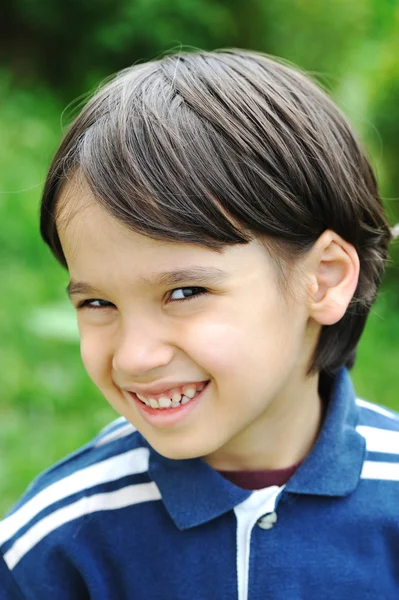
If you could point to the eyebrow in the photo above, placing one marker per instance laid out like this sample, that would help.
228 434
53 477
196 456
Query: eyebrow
201 275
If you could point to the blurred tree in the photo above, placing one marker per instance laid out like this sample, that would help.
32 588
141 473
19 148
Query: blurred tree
67 43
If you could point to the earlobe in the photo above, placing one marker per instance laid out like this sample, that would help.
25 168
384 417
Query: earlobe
334 278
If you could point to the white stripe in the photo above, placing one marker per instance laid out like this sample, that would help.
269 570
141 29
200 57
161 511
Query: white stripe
116 434
128 496
375 408
111 469
380 440
380 470
116 423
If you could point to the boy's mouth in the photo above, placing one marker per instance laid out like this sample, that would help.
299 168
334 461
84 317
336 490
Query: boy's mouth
178 411
174 398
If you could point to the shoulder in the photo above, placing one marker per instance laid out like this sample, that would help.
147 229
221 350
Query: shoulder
372 413
93 463
379 427
92 479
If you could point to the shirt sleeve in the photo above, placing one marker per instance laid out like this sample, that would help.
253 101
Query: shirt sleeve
8 587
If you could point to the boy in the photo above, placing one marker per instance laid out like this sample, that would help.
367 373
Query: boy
242 466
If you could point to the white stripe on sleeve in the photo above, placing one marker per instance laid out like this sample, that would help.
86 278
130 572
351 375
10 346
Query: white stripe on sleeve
111 469
116 434
380 440
127 496
378 409
380 470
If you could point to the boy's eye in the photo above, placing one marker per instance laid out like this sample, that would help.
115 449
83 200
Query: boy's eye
95 303
187 293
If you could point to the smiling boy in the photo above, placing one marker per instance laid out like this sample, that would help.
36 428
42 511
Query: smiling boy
225 241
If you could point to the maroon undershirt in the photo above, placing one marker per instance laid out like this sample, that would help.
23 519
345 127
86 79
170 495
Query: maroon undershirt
256 480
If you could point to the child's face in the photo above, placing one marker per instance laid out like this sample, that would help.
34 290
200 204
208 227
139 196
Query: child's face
244 336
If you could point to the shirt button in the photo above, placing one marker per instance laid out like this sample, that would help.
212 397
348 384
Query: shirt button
268 520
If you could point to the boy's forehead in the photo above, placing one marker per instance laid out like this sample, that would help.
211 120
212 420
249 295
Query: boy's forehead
73 193
82 220
90 236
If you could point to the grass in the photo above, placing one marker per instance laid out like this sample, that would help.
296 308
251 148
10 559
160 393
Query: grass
49 407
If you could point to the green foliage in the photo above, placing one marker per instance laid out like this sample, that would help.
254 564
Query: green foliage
48 405
59 50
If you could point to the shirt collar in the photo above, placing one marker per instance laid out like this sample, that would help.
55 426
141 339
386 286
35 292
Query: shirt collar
334 464
193 493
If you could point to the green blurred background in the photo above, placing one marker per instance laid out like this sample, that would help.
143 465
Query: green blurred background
50 54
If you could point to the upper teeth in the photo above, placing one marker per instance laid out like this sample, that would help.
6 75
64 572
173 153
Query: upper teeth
164 402
175 400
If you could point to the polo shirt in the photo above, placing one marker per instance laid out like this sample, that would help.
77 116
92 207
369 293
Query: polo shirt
116 520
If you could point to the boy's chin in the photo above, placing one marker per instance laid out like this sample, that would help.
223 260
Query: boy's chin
179 451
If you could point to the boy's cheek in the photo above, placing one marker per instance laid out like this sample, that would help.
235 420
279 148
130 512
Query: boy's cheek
95 359
219 346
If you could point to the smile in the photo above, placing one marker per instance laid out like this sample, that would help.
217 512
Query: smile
177 412
174 398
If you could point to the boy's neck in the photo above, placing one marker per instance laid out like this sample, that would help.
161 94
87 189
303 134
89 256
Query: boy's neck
283 437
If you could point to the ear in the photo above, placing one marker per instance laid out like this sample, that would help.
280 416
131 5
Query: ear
334 274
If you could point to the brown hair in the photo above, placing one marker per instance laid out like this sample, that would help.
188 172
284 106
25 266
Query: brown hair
216 148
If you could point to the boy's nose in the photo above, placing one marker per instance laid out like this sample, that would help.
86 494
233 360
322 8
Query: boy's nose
138 353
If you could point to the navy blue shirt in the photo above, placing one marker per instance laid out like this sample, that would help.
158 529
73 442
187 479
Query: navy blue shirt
116 520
